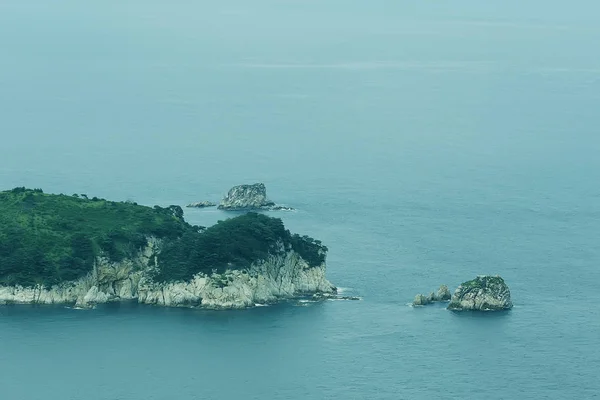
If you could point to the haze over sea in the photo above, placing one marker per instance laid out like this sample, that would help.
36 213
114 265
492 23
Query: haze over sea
423 142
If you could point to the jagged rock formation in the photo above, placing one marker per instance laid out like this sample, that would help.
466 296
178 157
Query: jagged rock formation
484 293
249 197
282 276
442 294
202 204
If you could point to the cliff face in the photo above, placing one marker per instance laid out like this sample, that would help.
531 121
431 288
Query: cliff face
109 281
281 276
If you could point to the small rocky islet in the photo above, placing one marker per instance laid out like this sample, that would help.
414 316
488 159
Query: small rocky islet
484 293
245 197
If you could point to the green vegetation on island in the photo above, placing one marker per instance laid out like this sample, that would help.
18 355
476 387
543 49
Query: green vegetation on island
481 282
233 243
48 239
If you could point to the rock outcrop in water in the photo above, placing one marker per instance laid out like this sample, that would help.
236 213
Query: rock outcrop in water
484 293
442 294
202 204
422 300
249 197
281 276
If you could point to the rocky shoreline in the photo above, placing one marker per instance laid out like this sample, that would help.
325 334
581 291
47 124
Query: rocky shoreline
280 277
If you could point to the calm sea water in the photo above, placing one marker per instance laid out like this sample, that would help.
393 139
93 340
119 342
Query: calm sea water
423 142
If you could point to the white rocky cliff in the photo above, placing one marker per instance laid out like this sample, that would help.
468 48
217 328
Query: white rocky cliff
279 277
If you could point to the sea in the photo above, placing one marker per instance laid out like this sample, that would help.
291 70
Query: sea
424 142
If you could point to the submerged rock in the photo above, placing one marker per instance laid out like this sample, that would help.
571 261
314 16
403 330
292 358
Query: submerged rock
202 204
280 208
332 296
484 293
249 197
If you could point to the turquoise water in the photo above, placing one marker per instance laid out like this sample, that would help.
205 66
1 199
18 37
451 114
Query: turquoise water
424 143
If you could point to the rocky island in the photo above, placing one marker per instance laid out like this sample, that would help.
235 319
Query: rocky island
484 293
80 251
249 197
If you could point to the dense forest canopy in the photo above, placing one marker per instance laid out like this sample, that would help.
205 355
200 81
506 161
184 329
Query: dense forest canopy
47 239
